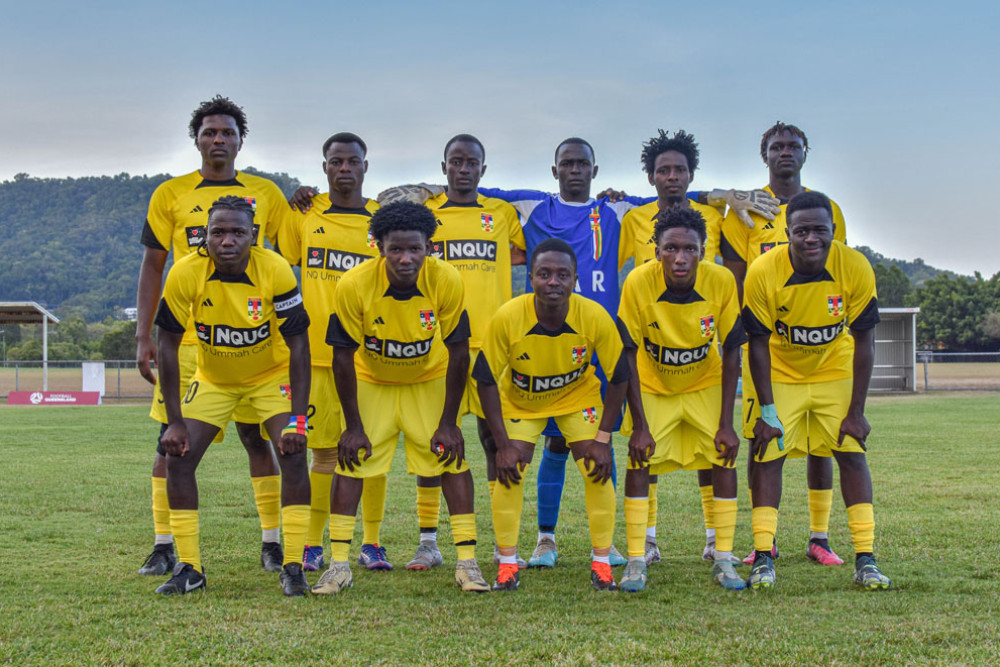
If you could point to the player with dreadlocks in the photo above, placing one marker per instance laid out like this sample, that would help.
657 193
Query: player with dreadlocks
783 148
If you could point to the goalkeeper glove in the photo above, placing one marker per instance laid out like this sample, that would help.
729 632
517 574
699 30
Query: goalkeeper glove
745 202
417 193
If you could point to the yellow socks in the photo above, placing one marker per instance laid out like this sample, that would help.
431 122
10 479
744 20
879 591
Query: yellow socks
267 493
428 506
373 508
507 505
294 522
161 507
654 506
319 506
341 533
184 524
708 505
601 506
636 516
764 522
724 520
820 502
860 521
463 531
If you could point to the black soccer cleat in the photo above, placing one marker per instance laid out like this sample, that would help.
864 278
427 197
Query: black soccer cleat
160 561
271 556
184 580
293 580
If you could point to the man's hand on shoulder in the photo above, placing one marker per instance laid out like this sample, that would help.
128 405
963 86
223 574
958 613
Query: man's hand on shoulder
417 193
612 195
745 202
301 199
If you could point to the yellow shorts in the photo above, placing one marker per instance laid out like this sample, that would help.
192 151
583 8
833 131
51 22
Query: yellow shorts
683 427
326 420
751 410
187 362
215 404
411 409
470 400
811 414
575 427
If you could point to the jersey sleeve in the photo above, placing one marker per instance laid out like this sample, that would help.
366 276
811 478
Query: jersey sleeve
756 313
839 226
626 241
288 307
629 326
491 362
862 307
731 332
734 238
523 201
277 206
450 303
158 231
288 237
516 232
345 326
175 304
608 345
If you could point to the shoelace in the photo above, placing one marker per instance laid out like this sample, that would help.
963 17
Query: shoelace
603 571
507 572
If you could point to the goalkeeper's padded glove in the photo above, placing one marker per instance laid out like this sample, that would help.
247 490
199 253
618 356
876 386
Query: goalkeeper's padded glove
745 202
769 414
417 193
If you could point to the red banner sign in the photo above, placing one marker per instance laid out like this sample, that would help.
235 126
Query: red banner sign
54 398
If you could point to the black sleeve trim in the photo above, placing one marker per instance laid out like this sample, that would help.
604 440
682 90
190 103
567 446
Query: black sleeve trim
868 318
337 336
295 324
622 372
166 320
462 330
737 335
625 335
727 250
149 239
481 372
752 325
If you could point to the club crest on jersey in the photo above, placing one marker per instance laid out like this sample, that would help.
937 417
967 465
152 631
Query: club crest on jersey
486 220
707 326
286 391
590 415
579 354
427 320
253 308
252 201
595 226
835 305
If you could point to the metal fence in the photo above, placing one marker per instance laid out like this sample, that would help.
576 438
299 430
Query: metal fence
955 371
121 378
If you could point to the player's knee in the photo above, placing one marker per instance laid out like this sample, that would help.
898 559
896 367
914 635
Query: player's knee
324 461
250 437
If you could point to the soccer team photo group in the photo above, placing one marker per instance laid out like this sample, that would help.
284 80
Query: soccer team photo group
327 325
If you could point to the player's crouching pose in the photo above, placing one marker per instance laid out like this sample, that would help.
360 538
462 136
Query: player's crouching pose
540 349
406 313
812 381
674 314
240 297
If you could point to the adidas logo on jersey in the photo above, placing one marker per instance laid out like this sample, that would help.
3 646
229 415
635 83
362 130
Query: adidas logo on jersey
769 225
197 209
782 309
319 231
207 302
378 320
655 325
524 357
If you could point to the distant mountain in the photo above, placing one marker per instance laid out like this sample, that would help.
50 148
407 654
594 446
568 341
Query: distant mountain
917 271
72 244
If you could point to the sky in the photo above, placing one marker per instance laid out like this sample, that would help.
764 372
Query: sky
899 100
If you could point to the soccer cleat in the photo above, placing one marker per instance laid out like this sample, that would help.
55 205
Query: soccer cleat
373 558
822 555
426 557
293 580
507 578
749 560
468 576
762 574
601 578
184 580
710 554
545 553
868 575
634 576
334 580
312 559
161 561
521 563
271 556
615 557
725 575
652 552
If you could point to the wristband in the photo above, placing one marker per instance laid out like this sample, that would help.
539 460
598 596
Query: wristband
297 424
603 437
769 413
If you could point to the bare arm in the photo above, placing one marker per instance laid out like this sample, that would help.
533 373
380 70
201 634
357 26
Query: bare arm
353 439
147 299
727 443
640 444
299 376
175 438
855 424
447 441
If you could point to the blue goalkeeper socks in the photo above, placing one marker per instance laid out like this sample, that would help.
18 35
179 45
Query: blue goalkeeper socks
551 477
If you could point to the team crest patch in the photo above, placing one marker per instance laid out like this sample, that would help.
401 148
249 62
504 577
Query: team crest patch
371 239
835 305
286 391
252 201
427 320
595 227
707 326
579 353
253 307
486 220
590 415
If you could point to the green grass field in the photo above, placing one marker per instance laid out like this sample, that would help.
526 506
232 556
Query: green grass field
75 525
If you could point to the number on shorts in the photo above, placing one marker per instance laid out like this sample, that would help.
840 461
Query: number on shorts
750 411
191 392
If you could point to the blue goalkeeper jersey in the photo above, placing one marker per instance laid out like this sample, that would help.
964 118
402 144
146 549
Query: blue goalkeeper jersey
592 229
